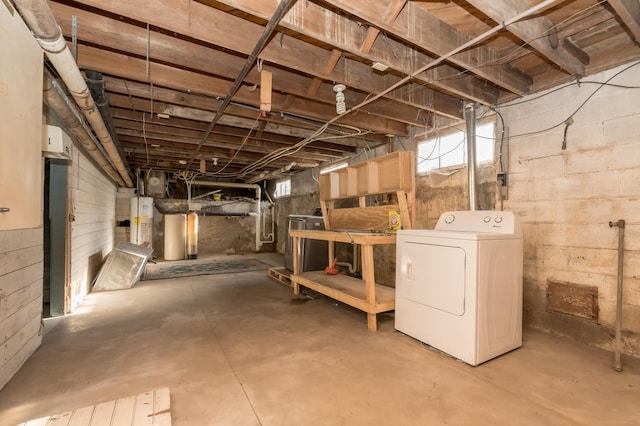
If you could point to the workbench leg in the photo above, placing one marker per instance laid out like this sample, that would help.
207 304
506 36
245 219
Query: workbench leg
370 283
372 322
296 287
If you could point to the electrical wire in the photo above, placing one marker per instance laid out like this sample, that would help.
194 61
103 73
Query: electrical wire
582 104
244 141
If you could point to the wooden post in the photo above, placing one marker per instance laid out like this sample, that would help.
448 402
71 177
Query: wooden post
369 279
296 267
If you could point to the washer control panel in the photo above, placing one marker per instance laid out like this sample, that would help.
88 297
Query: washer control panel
478 221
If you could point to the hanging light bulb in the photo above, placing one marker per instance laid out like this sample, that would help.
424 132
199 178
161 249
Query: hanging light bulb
341 107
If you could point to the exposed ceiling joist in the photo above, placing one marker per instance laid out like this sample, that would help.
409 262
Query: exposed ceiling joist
538 32
629 13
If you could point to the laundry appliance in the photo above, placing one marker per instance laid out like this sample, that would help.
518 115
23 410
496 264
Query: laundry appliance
459 286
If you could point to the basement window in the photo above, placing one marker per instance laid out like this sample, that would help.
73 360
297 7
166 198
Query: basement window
283 188
449 149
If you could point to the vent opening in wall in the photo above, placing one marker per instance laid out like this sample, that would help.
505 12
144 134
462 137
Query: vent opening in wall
572 299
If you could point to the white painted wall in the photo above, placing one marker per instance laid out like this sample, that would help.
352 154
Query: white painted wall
21 264
93 206
566 198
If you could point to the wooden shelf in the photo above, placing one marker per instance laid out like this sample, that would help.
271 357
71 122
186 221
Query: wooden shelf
389 173
366 225
348 290
353 237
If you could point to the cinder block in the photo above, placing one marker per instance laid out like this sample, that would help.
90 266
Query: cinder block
547 167
621 129
586 161
602 261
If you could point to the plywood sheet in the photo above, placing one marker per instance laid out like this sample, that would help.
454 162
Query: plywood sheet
148 408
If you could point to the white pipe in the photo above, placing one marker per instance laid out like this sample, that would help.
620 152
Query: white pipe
253 186
43 25
67 113
270 238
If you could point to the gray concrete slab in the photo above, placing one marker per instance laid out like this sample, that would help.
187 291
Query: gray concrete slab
241 349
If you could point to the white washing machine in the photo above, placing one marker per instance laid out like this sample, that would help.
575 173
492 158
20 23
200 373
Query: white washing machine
459 286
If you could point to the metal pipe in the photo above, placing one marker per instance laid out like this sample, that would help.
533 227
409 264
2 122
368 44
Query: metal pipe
353 266
41 22
253 186
97 87
617 364
470 119
57 101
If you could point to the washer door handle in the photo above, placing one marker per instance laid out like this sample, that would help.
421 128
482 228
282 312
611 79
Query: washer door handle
409 270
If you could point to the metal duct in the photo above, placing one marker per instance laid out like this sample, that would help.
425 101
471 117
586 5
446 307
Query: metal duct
96 85
41 22
254 187
55 98
470 118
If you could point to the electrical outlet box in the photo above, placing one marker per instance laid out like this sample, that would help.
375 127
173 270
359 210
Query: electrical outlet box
56 143
503 186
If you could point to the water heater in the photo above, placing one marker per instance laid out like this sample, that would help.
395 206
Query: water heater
175 236
142 221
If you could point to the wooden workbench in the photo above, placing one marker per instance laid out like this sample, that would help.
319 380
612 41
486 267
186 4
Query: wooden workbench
382 186
362 294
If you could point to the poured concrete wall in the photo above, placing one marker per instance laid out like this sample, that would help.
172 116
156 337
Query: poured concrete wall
566 198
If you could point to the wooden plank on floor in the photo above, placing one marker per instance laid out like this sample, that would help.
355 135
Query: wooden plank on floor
82 417
143 412
281 275
148 408
162 407
104 413
123 412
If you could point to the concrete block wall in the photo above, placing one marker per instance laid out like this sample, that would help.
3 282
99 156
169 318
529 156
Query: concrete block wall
566 198
21 265
93 207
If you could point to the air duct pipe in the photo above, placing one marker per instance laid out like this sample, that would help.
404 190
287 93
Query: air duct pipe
41 22
470 119
253 186
57 101
617 364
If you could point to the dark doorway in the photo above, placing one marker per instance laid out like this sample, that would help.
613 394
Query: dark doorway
55 236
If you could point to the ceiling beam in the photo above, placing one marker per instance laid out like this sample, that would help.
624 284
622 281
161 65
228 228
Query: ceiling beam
189 81
261 136
133 128
235 119
538 32
406 27
629 13
104 31
199 21
323 24
373 32
328 68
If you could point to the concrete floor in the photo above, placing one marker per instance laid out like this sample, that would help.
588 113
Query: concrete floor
241 349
